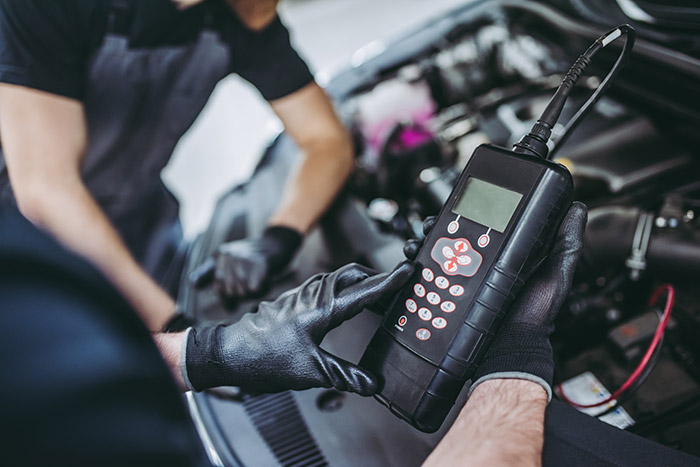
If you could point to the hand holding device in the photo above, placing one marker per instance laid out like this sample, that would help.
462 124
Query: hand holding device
489 238
521 347
277 348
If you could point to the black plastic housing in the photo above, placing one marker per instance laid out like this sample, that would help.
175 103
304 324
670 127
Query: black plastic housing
421 379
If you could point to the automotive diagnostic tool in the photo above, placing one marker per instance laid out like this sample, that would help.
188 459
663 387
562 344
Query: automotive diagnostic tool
494 230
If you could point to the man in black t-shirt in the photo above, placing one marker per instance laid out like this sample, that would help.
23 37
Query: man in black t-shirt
94 96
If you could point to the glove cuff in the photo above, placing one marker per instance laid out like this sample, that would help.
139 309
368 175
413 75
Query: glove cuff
522 350
281 244
202 367
183 361
513 375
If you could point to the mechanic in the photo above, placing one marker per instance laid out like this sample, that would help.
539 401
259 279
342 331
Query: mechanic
95 95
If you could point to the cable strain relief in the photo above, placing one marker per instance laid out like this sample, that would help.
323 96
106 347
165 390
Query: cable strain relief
541 130
577 70
535 142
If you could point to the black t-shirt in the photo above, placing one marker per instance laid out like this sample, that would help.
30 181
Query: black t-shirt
47 44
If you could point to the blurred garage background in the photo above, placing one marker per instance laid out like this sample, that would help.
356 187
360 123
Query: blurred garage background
226 142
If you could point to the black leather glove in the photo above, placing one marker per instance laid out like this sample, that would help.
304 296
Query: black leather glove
521 348
243 268
277 348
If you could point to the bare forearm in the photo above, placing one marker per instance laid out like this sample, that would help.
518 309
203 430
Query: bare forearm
502 424
70 213
171 347
315 183
44 137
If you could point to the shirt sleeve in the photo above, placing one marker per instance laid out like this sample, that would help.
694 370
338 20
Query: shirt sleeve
41 47
267 59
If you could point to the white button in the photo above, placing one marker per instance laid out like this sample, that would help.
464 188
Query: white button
428 275
425 314
433 298
447 252
419 290
439 323
461 246
464 260
484 241
448 307
411 305
456 290
450 266
453 227
423 334
442 282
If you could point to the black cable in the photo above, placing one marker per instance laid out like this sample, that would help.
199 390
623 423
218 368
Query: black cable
535 142
602 87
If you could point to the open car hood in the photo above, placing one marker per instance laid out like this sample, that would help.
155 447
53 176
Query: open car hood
672 23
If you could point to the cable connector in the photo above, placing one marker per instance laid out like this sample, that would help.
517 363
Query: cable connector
535 142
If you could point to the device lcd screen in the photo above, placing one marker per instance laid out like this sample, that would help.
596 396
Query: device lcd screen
487 204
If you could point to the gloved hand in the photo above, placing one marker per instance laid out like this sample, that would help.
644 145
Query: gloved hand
243 268
521 348
277 348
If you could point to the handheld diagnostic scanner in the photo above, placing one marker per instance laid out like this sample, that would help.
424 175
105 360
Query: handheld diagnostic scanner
494 230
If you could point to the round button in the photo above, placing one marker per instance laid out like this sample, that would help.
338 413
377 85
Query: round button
402 321
419 290
423 334
442 282
428 275
433 298
448 307
452 227
447 252
464 260
411 305
484 241
425 314
456 290
439 323
461 246
450 266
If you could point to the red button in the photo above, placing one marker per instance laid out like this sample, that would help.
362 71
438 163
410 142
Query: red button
402 321
461 246
484 240
450 266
